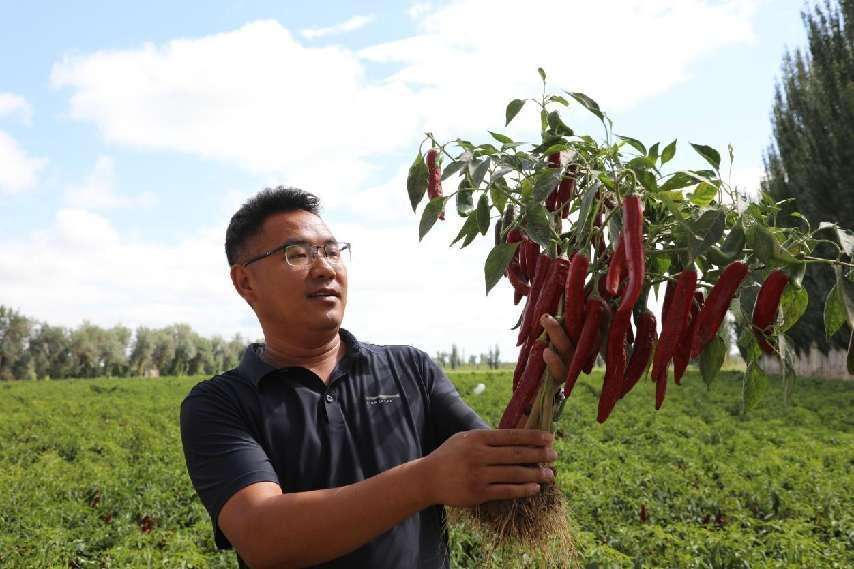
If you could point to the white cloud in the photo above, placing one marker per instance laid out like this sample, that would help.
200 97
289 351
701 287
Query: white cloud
253 96
11 104
98 191
418 9
350 25
315 117
18 171
82 267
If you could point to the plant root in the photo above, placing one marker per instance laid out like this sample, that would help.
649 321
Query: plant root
538 525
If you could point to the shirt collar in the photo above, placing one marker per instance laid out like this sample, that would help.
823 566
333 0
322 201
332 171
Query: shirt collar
253 367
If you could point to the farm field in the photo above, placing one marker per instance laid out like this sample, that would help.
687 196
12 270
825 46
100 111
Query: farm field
92 475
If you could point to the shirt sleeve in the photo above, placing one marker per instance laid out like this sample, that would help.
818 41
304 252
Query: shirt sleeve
449 413
222 456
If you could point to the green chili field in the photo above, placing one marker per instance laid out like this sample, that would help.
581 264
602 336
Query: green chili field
92 475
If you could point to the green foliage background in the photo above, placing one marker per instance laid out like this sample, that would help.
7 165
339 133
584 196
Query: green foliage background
86 466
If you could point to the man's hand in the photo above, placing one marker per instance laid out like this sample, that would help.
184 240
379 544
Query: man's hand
559 355
478 466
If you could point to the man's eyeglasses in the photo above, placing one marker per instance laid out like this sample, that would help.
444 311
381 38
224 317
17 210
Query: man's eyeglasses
301 254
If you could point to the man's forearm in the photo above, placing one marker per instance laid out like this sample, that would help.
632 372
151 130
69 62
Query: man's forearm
306 528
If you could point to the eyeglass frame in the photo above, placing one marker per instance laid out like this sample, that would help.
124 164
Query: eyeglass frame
314 250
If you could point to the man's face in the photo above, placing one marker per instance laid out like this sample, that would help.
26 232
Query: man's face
288 298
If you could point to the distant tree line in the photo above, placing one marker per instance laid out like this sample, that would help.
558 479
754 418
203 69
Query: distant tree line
456 358
36 350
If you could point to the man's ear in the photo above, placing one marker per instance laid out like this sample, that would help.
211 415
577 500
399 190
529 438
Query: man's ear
242 281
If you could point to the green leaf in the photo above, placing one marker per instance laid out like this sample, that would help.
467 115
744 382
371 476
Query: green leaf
734 242
498 196
668 153
416 181
483 213
711 359
748 345
430 215
585 210
496 263
465 201
703 194
545 181
634 143
452 168
513 109
755 386
678 181
647 180
653 152
711 155
486 149
834 311
794 304
709 228
537 226
558 99
469 228
478 171
844 237
557 125
542 73
762 242
588 104
502 138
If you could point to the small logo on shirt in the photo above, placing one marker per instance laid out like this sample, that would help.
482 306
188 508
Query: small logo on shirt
381 399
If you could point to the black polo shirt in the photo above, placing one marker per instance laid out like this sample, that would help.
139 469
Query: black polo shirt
383 406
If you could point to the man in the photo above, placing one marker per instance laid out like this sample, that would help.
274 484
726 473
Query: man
320 450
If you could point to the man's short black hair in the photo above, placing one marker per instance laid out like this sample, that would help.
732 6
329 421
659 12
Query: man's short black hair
252 214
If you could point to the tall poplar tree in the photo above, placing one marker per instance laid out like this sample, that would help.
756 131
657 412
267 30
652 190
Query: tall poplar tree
811 158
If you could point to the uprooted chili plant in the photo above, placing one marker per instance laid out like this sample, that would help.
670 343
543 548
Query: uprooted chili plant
588 230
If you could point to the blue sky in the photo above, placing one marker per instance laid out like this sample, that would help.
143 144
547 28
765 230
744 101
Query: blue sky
130 132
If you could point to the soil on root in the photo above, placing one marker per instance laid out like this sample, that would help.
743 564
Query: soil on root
538 525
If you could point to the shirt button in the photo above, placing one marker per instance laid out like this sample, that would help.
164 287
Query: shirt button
329 398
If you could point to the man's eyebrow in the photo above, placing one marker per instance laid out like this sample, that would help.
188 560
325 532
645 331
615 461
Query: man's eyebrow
306 242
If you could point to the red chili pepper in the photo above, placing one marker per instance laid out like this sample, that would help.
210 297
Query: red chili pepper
573 306
543 264
549 297
717 304
683 349
767 303
644 342
522 360
615 365
434 177
566 189
527 388
588 341
531 253
668 297
633 254
673 325
602 340
616 268
517 279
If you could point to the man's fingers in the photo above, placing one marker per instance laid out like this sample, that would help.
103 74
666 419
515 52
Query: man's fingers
557 336
517 437
556 366
518 474
510 491
520 455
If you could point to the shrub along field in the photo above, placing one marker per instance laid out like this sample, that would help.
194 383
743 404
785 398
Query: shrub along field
92 475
